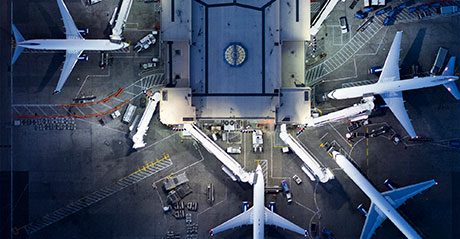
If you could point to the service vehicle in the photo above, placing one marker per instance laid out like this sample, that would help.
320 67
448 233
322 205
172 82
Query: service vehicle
146 42
83 31
448 9
83 57
234 150
368 9
375 70
362 210
297 179
257 140
129 113
379 131
115 114
286 190
244 206
343 24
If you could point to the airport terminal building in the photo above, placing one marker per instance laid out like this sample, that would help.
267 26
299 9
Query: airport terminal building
235 60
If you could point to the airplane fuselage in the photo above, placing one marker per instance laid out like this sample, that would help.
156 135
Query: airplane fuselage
390 86
259 206
71 44
383 205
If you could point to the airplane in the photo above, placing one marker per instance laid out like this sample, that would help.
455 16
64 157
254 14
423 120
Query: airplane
384 204
390 87
74 45
258 215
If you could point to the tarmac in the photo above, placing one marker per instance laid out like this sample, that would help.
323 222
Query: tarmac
53 168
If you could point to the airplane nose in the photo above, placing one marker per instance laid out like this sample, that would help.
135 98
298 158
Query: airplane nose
259 168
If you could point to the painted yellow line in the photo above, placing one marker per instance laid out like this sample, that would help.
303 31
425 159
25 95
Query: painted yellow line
274 143
148 165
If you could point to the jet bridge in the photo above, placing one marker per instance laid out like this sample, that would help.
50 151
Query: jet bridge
313 168
122 16
231 166
322 15
356 112
143 126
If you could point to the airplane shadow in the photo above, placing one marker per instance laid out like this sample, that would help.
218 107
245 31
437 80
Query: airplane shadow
337 195
54 66
413 54
55 25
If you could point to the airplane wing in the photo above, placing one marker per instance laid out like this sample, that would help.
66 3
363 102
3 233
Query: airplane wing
274 219
71 58
244 218
374 218
71 31
399 196
395 102
390 71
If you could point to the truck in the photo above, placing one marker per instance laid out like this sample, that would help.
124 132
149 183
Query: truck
129 113
448 9
439 61
287 191
234 150
146 41
257 140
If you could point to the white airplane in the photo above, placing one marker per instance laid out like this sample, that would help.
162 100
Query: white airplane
258 215
74 45
383 205
390 87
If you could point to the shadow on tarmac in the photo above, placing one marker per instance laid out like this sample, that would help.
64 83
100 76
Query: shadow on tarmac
54 66
413 54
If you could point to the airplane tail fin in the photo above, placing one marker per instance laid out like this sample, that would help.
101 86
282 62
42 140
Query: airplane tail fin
449 71
452 88
18 37
396 197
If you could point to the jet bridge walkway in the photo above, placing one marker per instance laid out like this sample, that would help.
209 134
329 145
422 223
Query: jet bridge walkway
231 166
356 112
120 22
314 169
138 138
